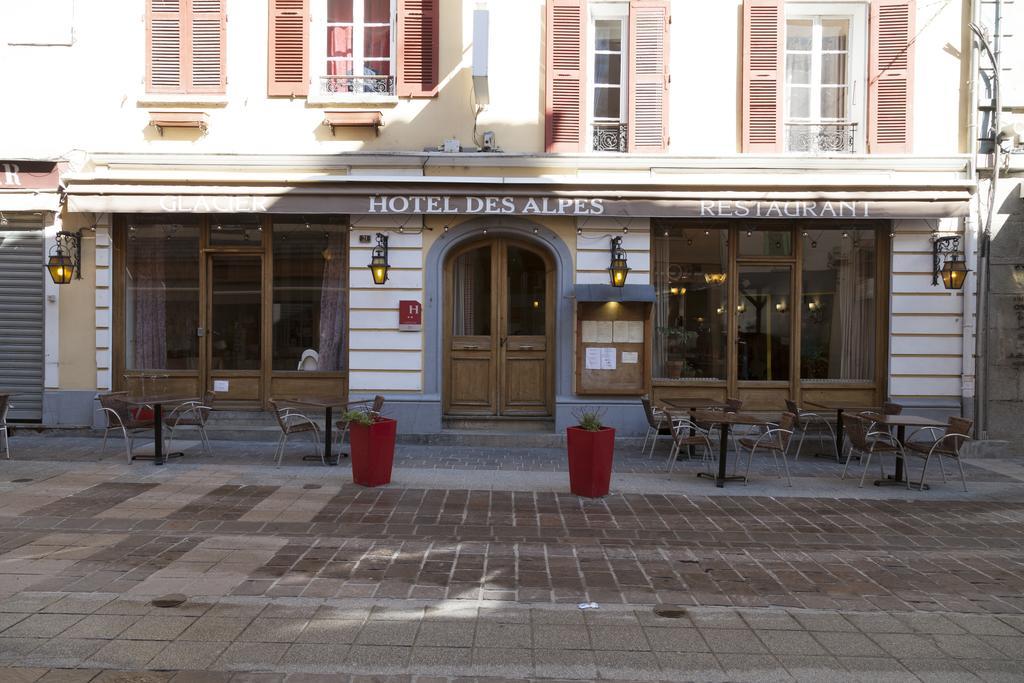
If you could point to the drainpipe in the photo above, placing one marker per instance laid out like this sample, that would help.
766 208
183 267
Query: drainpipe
972 370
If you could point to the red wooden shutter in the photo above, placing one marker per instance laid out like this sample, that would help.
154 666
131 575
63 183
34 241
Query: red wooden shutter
763 31
207 40
288 68
565 101
890 76
648 75
164 23
417 48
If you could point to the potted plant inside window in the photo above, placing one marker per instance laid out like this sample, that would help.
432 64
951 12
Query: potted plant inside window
590 446
373 447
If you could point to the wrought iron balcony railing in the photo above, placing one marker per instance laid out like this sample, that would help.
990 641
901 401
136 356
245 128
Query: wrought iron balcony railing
357 85
610 137
821 138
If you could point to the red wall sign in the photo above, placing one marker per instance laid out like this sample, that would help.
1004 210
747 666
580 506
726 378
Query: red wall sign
29 175
410 316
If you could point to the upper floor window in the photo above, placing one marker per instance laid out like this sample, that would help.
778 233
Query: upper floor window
185 46
360 47
824 69
609 31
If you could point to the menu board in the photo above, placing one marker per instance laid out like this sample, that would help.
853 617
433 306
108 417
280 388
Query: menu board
613 348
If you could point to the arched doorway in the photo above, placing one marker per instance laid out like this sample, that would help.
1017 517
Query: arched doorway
499 321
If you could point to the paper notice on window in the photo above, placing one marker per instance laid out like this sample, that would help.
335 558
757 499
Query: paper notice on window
630 357
589 331
604 331
636 332
220 385
620 331
593 357
608 358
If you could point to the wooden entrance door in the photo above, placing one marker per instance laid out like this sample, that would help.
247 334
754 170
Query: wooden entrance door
764 363
498 330
235 335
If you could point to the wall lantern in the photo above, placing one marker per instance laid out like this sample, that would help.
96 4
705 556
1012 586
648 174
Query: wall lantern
379 260
618 269
948 263
65 258
714 278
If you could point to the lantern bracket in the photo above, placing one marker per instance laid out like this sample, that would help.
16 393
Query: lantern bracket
70 243
943 248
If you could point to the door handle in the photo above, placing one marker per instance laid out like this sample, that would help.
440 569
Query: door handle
470 346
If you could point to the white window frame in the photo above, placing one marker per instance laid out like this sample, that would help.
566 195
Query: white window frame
856 61
604 11
318 52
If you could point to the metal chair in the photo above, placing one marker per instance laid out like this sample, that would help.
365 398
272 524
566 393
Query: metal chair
658 424
120 416
374 407
733 405
291 422
946 446
807 421
776 440
868 443
191 414
686 432
5 406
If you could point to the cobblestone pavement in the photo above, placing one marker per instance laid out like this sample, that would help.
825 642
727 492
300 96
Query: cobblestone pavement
295 571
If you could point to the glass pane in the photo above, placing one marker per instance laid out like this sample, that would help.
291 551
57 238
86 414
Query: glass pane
799 102
763 315
340 67
833 68
377 42
608 35
607 103
309 294
241 230
798 69
765 242
339 41
162 293
837 315
339 10
526 284
376 67
377 11
235 312
608 69
833 103
692 295
798 34
834 34
472 292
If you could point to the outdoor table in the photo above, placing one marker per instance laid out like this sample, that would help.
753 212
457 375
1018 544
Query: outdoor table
901 422
839 422
692 405
157 402
328 404
725 421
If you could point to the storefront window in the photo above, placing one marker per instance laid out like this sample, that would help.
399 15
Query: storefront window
240 230
763 322
309 294
754 242
837 324
692 290
162 293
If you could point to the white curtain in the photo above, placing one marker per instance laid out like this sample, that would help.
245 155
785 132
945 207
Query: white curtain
661 261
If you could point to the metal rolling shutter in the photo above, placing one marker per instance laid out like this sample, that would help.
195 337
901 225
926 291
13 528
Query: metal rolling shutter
21 321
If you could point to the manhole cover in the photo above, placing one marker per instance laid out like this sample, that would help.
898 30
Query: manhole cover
171 600
20 481
669 612
311 486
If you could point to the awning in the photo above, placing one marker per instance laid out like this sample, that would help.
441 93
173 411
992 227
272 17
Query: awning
605 293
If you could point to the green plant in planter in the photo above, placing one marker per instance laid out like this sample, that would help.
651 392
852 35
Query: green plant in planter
358 417
589 419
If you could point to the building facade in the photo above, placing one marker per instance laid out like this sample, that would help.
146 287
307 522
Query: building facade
773 172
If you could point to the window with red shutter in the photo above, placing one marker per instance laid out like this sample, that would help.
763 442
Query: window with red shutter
648 75
762 76
891 76
185 46
565 51
288 49
418 37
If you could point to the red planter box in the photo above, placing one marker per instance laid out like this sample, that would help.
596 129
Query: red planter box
590 461
373 451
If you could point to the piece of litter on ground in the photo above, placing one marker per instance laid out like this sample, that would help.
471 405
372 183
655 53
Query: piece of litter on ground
588 605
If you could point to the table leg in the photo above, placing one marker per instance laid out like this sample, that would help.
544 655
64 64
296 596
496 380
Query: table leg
327 436
723 449
901 433
693 432
839 433
158 436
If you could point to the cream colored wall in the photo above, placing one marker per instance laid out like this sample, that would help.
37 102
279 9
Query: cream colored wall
77 315
91 95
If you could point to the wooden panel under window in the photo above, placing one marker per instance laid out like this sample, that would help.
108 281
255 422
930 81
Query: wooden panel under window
308 384
768 396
